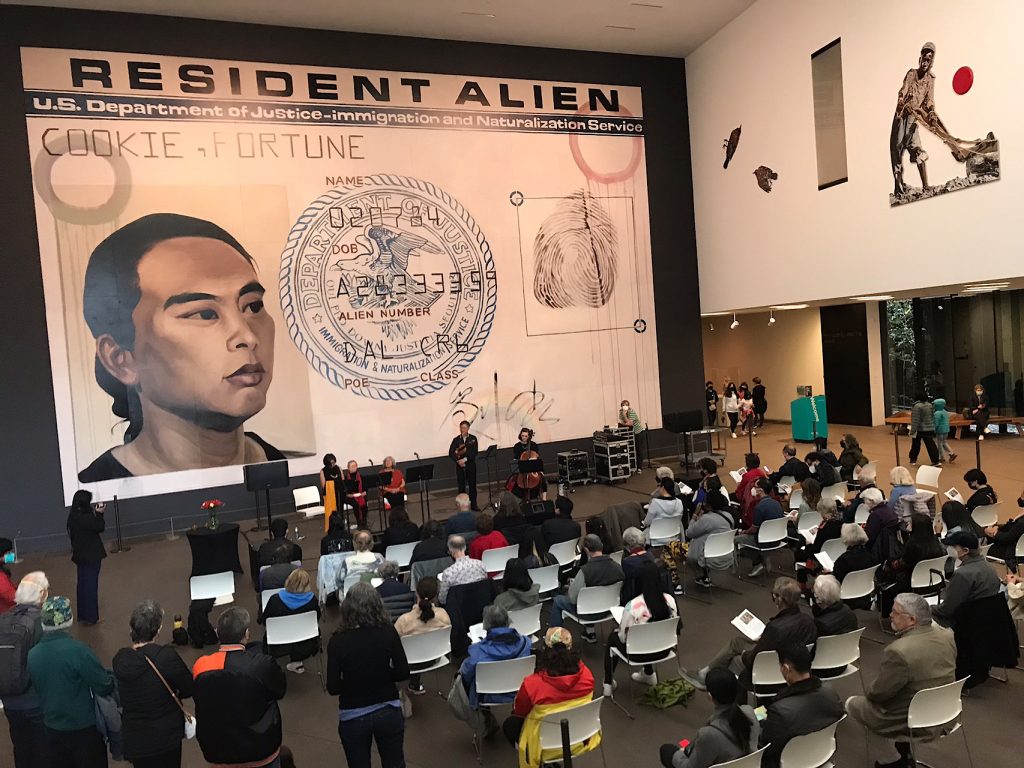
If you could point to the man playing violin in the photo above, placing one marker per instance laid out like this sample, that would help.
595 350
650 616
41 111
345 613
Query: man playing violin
463 451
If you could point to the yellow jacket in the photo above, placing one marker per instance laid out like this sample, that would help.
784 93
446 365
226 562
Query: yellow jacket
529 738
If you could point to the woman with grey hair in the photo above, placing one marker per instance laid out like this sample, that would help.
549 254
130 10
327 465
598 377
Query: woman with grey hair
398 597
857 557
365 660
153 724
831 615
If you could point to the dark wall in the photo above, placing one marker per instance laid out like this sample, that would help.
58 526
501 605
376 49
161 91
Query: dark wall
844 351
33 507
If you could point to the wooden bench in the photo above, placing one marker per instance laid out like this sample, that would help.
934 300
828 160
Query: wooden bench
902 419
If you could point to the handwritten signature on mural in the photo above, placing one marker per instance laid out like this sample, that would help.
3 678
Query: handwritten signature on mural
490 413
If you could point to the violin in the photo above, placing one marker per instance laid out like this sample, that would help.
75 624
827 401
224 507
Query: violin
528 480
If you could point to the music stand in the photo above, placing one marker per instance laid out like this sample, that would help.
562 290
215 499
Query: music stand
489 454
527 466
263 477
371 481
422 474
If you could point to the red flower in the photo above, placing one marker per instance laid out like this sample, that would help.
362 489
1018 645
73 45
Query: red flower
211 504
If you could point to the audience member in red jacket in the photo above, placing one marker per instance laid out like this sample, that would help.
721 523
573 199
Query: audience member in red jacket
6 585
488 538
753 464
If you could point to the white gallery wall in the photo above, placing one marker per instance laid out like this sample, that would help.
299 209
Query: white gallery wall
796 243
785 355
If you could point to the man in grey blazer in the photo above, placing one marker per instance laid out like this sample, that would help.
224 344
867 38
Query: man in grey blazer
922 656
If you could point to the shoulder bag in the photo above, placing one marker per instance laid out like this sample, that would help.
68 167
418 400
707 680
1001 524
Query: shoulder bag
190 719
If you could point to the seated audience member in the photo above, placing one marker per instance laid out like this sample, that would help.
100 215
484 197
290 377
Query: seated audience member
599 571
955 517
22 707
152 723
826 474
664 506
712 516
433 543
831 615
297 597
730 733
425 616
465 570
561 681
529 553
857 557
766 508
753 473
791 467
398 596
236 691
365 661
501 643
708 469
880 516
830 527
338 538
1004 538
274 576
821 446
464 519
487 537
866 482
851 457
804 706
920 543
6 584
902 485
509 512
279 549
1015 596
789 625
67 677
635 554
599 528
400 530
922 656
652 604
810 495
973 580
984 494
561 527
519 590
363 561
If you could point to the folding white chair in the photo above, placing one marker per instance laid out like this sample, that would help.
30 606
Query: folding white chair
584 723
428 651
928 476
307 501
772 535
617 556
753 760
929 576
285 630
834 492
496 678
986 515
350 581
833 548
938 707
546 578
765 675
858 584
594 604
796 497
401 554
837 652
719 546
494 560
265 596
526 621
788 481
220 587
813 750
655 639
860 517
565 553
1018 553
665 529
808 521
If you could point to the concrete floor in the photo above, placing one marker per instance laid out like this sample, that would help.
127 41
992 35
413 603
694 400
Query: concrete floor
158 568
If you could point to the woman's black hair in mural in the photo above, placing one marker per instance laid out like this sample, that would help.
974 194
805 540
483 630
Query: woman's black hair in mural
111 292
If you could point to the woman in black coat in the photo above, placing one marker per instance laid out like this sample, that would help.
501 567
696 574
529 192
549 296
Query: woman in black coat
85 524
153 724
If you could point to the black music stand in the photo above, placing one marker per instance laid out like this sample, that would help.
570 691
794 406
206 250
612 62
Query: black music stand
370 481
263 477
489 456
422 474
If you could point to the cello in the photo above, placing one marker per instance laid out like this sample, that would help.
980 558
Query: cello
528 485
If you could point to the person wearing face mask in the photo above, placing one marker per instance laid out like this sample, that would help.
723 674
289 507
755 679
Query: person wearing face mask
851 457
791 467
765 508
979 410
628 417
821 470
984 495
922 656
711 402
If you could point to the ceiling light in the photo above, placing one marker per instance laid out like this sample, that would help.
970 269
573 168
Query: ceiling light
986 286
480 14
713 314
771 318
620 27
735 322
651 6
790 306
711 326
880 297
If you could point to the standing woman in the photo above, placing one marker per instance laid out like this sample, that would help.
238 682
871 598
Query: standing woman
394 492
330 476
85 524
760 402
711 402
732 407
152 718
365 659
979 410
922 427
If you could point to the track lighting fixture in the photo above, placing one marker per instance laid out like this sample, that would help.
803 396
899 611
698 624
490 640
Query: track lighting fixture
735 322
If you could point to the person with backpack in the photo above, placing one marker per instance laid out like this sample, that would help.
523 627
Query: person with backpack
20 629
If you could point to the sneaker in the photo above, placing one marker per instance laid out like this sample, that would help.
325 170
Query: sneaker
952 458
703 581
642 679
734 434
296 667
753 433
757 570
696 679
417 690
590 637
609 689
677 589
981 437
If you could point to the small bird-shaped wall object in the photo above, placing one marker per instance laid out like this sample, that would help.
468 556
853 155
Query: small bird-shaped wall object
729 145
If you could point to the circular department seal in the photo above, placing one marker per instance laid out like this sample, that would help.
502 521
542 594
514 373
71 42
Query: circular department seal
388 288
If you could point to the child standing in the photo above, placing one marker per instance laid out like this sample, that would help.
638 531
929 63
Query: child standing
942 430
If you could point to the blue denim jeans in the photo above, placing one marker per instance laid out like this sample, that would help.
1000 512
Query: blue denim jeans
385 726
559 604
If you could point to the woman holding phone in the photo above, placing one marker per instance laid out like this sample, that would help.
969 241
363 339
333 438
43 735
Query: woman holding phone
85 524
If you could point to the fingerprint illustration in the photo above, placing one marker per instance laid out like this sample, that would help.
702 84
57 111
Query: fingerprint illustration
574 254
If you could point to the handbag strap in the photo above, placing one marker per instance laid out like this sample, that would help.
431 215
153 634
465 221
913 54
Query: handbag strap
167 686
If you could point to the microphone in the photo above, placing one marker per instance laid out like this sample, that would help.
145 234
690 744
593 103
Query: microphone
372 462
416 455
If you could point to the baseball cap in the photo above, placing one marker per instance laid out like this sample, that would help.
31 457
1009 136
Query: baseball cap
928 47
56 613
965 539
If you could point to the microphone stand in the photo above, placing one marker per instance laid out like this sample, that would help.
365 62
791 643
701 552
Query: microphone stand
647 444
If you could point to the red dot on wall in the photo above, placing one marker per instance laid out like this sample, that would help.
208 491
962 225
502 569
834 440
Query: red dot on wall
963 79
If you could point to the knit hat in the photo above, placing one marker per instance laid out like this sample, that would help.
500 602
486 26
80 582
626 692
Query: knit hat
56 613
558 636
